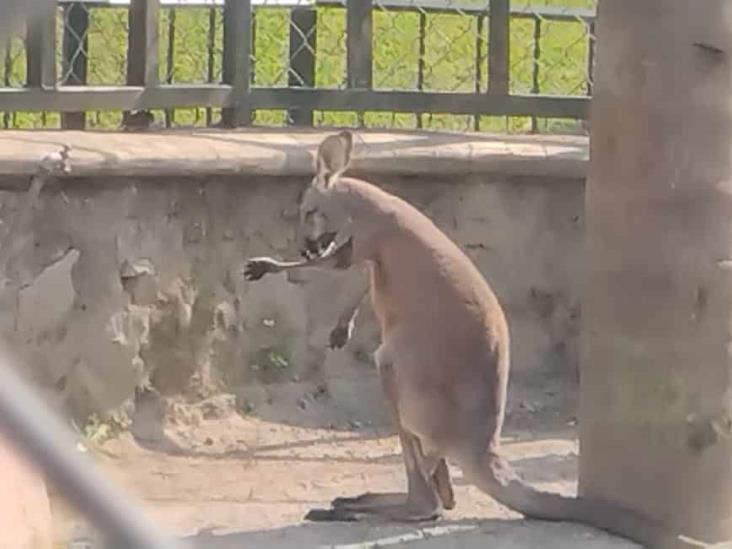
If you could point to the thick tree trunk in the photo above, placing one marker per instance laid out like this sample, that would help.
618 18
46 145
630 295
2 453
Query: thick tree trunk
656 365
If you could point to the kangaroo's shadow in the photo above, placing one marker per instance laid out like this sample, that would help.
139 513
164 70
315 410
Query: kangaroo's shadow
466 534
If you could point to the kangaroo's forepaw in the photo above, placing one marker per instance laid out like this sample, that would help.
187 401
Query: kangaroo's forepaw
258 267
340 335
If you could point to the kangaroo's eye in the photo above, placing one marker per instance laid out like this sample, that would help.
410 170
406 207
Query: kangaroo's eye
310 213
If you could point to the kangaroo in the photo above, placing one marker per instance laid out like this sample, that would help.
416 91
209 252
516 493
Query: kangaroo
443 359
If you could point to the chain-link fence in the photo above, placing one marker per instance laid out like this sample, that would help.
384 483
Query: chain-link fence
416 45
191 50
552 52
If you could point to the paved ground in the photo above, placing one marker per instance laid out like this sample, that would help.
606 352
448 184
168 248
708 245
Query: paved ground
237 481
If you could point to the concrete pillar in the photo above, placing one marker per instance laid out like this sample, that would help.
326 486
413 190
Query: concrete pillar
656 360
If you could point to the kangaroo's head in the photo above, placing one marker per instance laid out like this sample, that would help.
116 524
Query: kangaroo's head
323 218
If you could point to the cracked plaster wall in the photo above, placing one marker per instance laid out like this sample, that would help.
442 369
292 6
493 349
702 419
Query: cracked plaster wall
124 281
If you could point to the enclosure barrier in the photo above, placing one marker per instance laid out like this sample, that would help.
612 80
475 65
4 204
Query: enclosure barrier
301 57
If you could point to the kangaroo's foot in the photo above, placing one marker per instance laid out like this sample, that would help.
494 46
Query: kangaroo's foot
370 500
401 512
392 514
391 506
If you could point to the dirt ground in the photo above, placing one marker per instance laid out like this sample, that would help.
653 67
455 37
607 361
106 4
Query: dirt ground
226 479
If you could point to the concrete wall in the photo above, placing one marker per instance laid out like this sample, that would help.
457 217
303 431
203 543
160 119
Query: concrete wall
130 269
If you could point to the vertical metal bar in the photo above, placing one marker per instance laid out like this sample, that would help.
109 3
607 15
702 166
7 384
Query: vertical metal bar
478 63
142 45
535 67
421 61
41 48
142 51
7 73
170 62
211 49
75 46
303 44
591 56
591 52
359 45
236 69
498 47
253 52
16 12
359 28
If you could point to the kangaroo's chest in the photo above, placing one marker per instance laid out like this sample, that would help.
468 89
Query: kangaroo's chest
385 307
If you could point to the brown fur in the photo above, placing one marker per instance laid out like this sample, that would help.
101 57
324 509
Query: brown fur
443 359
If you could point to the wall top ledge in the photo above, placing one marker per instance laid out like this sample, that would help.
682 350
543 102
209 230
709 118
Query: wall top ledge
290 153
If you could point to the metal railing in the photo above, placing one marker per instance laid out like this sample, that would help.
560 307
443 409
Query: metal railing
236 61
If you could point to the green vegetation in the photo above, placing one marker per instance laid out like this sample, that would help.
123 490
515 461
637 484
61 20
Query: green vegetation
270 364
454 60
98 430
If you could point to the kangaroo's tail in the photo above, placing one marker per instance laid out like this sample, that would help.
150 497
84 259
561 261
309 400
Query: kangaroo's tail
496 477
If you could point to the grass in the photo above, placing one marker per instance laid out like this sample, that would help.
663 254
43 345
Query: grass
454 60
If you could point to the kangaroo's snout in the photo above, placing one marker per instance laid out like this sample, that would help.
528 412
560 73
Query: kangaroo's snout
315 247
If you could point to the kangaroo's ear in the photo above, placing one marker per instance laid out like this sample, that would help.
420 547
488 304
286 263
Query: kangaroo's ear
334 157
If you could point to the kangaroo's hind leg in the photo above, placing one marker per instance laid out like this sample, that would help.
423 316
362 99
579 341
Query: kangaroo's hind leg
422 502
428 480
440 480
